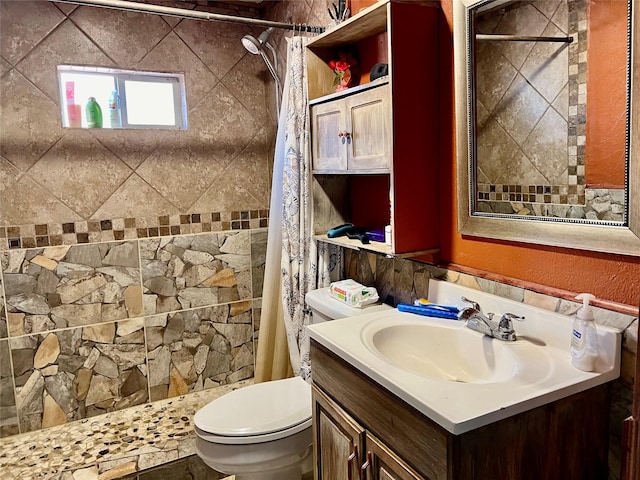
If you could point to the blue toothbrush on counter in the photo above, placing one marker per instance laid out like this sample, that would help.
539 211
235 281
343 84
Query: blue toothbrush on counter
430 310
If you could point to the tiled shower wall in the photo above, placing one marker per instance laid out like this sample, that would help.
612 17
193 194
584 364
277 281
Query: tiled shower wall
102 327
131 259
403 280
62 186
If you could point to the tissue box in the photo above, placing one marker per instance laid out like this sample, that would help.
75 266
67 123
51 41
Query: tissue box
353 293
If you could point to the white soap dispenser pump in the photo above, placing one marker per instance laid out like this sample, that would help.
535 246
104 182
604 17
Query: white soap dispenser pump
584 339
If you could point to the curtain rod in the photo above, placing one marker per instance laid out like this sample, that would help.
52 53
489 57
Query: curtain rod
192 14
521 38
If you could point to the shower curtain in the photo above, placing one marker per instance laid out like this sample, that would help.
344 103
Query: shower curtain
304 264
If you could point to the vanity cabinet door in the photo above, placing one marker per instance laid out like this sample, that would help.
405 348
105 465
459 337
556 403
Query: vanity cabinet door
328 141
383 464
369 141
337 443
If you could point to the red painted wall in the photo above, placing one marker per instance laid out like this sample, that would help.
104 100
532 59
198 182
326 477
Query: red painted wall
611 277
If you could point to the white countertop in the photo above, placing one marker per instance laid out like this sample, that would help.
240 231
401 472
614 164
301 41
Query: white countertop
544 371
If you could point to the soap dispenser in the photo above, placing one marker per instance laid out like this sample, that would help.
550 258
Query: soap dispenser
584 339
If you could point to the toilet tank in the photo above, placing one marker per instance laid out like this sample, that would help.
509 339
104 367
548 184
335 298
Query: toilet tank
324 307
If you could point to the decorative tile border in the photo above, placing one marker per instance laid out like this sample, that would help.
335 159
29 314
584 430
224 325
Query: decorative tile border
560 194
595 204
94 231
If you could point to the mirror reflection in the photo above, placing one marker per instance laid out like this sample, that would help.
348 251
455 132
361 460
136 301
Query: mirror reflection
548 104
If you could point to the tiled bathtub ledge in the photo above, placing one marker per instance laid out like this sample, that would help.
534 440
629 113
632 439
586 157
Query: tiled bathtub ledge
112 445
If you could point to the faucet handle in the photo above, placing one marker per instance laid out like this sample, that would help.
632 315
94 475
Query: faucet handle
474 304
505 321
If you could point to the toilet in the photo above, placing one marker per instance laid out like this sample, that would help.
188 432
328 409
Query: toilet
263 431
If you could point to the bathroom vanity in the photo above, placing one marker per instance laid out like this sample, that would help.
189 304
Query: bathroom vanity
376 417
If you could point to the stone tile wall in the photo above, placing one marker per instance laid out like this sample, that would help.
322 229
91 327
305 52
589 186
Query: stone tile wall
403 280
96 328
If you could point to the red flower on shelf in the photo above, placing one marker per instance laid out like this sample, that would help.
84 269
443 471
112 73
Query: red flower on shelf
342 68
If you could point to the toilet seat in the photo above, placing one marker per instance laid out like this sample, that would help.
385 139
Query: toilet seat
258 413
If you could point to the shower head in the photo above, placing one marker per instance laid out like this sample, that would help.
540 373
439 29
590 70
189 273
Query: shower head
255 45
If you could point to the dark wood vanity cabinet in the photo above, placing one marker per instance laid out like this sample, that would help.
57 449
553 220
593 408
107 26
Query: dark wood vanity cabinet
356 420
344 449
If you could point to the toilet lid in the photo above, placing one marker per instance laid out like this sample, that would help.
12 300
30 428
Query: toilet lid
258 410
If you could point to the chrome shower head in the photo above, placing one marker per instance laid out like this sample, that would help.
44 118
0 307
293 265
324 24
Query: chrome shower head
255 45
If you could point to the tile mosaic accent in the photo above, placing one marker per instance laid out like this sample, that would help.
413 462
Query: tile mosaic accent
78 373
193 271
198 349
95 231
70 286
602 205
119 444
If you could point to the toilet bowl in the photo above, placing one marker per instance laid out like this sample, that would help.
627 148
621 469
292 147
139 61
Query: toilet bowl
263 431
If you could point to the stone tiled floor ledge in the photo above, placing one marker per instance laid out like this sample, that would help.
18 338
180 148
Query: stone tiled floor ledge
114 445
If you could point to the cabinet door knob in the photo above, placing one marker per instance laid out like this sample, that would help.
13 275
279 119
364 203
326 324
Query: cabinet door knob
350 459
365 466
340 134
347 134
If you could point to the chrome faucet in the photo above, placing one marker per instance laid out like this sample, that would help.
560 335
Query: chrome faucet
478 321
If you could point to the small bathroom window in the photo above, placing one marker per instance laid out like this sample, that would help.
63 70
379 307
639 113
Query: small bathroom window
98 97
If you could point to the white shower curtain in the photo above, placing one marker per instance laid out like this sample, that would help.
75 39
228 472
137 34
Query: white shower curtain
304 264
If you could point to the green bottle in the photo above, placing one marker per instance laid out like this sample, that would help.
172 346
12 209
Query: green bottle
94 114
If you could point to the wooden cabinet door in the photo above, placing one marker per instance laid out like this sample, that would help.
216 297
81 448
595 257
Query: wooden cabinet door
382 464
337 441
328 142
368 125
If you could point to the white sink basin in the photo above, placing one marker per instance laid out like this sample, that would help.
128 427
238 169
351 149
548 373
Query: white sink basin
442 353
458 377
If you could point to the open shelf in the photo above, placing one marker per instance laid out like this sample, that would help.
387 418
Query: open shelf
370 21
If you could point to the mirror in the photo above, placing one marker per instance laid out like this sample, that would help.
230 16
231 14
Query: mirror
541 158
